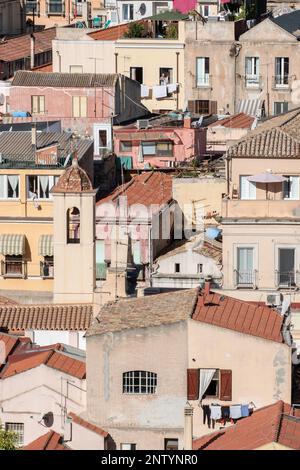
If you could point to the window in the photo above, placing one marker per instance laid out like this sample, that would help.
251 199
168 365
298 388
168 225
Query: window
136 252
280 107
281 71
79 106
136 73
47 267
12 266
252 71
39 186
17 428
291 188
164 149
56 7
214 386
199 268
202 107
128 446
9 186
202 71
149 148
100 260
76 69
177 267
171 444
102 138
73 225
165 75
139 381
245 266
128 11
37 104
247 189
205 10
125 146
32 5
286 267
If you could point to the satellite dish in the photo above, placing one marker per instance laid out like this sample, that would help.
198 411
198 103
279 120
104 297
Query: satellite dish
2 99
48 419
142 9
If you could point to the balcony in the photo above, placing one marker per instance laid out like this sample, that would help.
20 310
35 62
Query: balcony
287 280
253 81
203 81
14 269
282 82
260 209
245 279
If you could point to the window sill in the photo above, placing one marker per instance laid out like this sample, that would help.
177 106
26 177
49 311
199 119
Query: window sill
13 276
47 277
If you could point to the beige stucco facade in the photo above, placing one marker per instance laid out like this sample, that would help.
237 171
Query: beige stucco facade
260 374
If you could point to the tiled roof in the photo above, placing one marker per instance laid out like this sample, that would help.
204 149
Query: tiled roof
147 188
276 423
205 247
145 312
110 34
11 344
172 307
7 301
238 315
17 145
49 441
18 363
46 317
64 80
278 137
19 47
73 180
238 121
86 424
290 22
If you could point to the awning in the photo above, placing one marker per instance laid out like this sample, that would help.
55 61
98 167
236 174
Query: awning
46 245
12 244
266 178
251 107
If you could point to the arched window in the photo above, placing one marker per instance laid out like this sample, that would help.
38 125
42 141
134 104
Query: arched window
139 381
73 225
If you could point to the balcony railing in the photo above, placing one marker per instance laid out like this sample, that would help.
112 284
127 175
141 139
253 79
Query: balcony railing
46 270
287 279
14 269
203 81
55 8
260 209
245 278
253 81
282 81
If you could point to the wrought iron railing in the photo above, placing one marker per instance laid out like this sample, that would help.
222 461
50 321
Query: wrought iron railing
286 279
245 278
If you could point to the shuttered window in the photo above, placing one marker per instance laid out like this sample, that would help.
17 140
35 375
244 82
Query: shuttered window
193 384
37 104
226 385
79 106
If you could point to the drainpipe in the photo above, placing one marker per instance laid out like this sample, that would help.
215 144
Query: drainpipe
116 62
177 78
238 47
188 427
32 50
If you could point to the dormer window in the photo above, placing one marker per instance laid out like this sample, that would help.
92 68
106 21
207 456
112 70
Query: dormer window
73 225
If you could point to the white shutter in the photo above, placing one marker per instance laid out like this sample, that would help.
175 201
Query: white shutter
247 188
200 71
76 106
83 106
294 181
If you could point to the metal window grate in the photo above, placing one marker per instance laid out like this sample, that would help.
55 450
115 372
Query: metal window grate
139 381
17 428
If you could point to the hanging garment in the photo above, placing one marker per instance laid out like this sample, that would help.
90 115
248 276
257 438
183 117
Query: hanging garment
172 87
206 414
225 412
235 411
160 91
245 411
215 412
144 91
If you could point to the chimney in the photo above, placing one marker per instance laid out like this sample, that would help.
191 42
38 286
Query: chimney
32 50
33 137
188 428
206 288
187 122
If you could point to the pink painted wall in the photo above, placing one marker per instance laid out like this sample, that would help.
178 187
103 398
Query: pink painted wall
58 105
184 5
188 142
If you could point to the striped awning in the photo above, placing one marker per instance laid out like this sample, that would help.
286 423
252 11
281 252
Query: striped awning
251 107
46 245
12 244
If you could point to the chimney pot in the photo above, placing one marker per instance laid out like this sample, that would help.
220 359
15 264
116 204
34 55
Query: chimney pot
207 288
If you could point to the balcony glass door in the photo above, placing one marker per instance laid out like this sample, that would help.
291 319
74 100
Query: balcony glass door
286 273
245 264
282 71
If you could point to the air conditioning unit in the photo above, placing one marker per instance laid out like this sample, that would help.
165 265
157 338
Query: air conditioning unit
143 123
274 300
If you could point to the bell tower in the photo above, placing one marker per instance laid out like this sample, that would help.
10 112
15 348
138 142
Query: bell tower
74 237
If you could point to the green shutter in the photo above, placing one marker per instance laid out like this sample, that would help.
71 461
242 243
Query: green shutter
100 264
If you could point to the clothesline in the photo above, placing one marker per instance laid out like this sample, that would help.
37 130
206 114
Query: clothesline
159 91
221 413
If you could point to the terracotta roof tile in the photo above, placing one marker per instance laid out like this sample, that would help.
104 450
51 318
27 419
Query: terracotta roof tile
86 424
19 47
46 317
238 121
147 188
49 441
73 180
110 34
28 78
274 423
